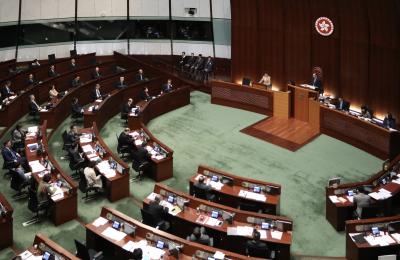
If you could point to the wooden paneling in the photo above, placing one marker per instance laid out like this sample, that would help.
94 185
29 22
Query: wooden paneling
360 60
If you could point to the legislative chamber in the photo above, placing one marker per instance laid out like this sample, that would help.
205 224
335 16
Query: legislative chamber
202 129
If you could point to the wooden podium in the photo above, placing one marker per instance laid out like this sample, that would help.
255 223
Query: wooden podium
300 100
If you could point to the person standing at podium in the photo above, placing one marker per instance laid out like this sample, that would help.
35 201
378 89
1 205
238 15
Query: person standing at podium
317 83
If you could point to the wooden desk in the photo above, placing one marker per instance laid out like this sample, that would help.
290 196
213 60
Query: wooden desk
198 211
43 244
367 136
229 195
6 224
66 208
112 249
116 187
111 105
363 250
238 96
338 213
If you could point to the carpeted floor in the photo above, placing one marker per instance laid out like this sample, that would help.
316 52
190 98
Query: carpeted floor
202 133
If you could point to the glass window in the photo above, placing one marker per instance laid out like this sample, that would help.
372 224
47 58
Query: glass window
102 30
8 35
149 29
192 30
51 32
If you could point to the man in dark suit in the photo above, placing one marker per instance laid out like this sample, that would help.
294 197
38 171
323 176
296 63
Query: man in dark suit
72 65
72 136
197 65
206 188
158 213
6 90
389 121
96 94
121 83
34 108
140 76
317 83
366 112
182 61
255 247
13 159
96 73
76 82
189 62
32 80
208 68
167 87
126 109
124 138
77 110
139 156
144 94
52 71
343 105
200 236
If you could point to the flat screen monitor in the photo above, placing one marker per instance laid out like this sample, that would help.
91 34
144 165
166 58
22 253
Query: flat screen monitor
350 192
257 189
171 199
264 225
246 82
46 256
160 244
116 225
375 231
214 214
214 178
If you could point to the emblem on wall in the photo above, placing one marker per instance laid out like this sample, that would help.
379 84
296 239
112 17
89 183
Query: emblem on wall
324 26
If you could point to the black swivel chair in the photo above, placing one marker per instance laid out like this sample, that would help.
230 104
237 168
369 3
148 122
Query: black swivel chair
35 207
77 167
141 168
19 185
151 220
123 150
85 253
86 189
249 207
66 144
258 252
7 166
203 194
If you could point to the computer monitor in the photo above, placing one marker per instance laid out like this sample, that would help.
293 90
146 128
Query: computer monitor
116 225
265 225
334 182
160 244
375 231
214 178
257 189
214 214
171 199
46 256
246 82
350 192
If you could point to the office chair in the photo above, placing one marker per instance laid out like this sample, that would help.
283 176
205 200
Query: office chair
66 144
249 207
85 253
77 167
203 194
124 151
86 189
150 220
7 166
18 184
258 252
141 169
35 207
124 116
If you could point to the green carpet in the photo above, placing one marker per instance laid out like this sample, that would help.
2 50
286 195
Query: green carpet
202 133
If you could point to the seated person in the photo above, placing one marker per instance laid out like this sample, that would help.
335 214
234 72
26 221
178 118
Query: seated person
53 93
144 94
190 61
198 64
121 83
72 65
47 164
342 105
95 94
366 112
158 213
76 82
74 155
182 61
137 254
52 71
255 247
18 137
32 80
13 159
77 110
35 63
124 138
139 156
34 108
266 80
73 136
6 90
96 74
140 76
208 67
126 109
361 200
206 188
44 189
167 87
92 179
200 236
389 121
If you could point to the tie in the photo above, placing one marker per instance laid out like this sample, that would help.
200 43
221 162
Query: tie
97 93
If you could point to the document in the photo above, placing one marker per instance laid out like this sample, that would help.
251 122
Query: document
113 234
397 181
33 129
152 196
138 142
242 193
256 196
130 246
350 198
396 236
275 234
87 148
216 185
213 222
381 194
175 210
100 221
36 166
244 231
231 231
219 255
372 240
85 138
334 199
341 199
263 233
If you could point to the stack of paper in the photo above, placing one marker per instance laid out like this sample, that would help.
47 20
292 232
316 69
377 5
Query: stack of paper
33 129
256 196
216 185
59 194
397 237
245 231
152 196
158 157
36 166
219 255
130 246
212 222
275 234
100 221
242 193
87 148
334 199
381 194
151 252
113 234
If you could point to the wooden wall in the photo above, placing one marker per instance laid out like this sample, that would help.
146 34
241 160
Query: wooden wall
360 60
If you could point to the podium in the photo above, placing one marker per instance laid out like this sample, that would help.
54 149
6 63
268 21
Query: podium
301 99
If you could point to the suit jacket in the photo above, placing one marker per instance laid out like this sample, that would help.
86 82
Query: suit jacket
120 85
76 108
126 108
124 139
255 245
96 75
139 77
362 200
198 65
72 138
32 81
33 107
5 92
73 67
317 83
190 61
167 88
209 66
9 155
344 105
52 73
206 188
157 211
144 96
76 83
389 122
94 96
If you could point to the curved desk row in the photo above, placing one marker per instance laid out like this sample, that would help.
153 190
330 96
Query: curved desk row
363 244
140 235
239 192
340 207
66 195
6 223
224 228
367 136
117 184
19 105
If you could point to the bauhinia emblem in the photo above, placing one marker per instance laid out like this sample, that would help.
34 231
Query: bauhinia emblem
324 26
